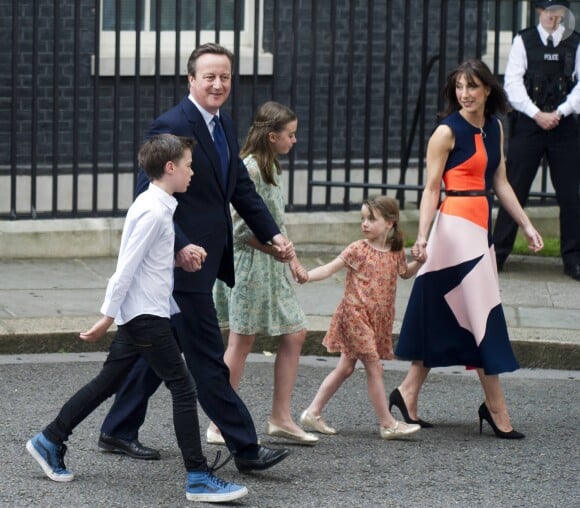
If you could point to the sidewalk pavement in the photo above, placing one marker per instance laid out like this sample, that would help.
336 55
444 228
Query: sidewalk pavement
45 303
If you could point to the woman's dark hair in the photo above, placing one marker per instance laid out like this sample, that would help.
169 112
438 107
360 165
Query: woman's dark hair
473 69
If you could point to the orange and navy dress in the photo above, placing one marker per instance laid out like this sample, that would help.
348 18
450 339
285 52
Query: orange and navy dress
454 315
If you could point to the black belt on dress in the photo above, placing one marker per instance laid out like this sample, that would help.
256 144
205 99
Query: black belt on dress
476 192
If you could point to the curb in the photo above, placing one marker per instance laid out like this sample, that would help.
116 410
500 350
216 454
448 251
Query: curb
544 354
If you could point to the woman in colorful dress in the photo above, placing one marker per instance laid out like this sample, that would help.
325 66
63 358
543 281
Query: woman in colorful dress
454 315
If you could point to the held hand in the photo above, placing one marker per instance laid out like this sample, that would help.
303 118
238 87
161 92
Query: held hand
419 251
283 249
535 242
97 330
299 273
547 121
190 258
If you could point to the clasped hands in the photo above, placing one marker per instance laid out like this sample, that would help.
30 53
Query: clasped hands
190 258
547 120
419 251
283 251
299 273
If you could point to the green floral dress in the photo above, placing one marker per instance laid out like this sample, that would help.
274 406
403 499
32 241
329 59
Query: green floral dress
263 299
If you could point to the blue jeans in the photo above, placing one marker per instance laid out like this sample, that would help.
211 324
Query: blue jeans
151 338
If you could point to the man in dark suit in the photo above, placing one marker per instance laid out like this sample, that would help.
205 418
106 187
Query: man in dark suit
203 252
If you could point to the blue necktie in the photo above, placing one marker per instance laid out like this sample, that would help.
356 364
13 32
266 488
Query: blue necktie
221 145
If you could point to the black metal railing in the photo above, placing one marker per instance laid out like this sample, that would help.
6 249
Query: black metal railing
363 77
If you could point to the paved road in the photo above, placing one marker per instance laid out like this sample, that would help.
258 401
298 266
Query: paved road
450 465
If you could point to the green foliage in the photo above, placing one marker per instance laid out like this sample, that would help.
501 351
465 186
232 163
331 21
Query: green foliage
551 247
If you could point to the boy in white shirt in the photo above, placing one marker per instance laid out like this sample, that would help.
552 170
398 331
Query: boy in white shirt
139 300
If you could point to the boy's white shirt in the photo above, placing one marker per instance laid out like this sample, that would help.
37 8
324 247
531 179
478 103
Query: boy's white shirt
143 280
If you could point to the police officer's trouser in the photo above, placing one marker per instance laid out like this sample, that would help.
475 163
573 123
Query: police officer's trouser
528 143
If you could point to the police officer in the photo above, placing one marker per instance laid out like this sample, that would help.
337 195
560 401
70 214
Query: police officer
541 81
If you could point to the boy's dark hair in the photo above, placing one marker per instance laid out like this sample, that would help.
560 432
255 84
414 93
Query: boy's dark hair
159 150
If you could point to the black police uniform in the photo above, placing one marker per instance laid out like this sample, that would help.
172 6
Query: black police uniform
548 80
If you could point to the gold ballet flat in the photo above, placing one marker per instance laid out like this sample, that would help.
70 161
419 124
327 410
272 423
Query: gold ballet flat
305 438
400 429
213 437
316 423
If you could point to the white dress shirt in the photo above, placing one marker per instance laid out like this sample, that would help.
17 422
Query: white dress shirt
143 280
516 68
206 115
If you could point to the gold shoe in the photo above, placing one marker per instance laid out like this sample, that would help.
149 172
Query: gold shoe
213 437
305 438
399 430
315 423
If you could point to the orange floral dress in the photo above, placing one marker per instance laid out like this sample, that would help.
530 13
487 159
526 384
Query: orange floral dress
362 325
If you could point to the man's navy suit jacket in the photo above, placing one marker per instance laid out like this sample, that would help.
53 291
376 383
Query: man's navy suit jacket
203 215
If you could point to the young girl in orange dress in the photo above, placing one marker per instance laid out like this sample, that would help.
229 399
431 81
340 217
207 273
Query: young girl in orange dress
361 328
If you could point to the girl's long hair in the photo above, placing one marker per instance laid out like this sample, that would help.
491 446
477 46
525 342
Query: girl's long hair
389 210
270 117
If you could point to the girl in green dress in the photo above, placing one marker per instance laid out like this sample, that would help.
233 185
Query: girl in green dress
263 299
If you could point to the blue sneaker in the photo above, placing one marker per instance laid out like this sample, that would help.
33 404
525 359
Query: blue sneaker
50 456
205 486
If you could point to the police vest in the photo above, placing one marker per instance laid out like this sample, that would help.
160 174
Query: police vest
549 77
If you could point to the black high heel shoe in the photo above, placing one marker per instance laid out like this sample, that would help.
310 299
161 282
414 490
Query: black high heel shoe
484 414
396 399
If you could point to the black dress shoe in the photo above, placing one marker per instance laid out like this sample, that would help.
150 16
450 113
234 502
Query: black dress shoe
265 458
572 271
132 448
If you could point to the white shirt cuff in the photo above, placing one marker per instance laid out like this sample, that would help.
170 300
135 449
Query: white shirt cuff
565 109
531 110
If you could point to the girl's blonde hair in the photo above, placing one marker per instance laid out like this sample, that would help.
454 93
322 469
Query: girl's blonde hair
270 117
389 210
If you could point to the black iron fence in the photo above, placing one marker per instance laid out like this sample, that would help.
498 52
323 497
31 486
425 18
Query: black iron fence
82 79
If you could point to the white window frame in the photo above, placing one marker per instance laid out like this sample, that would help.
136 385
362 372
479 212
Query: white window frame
128 39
